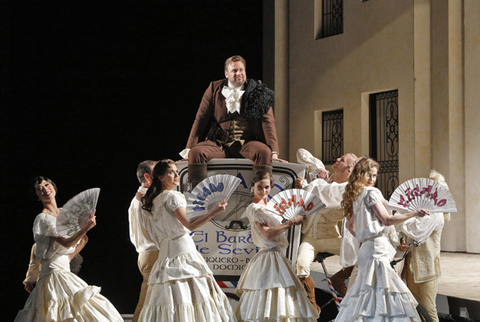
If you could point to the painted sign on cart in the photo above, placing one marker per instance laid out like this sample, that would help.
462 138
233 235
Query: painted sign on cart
226 242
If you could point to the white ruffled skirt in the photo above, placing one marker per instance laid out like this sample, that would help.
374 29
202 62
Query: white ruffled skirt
378 294
269 290
63 296
181 287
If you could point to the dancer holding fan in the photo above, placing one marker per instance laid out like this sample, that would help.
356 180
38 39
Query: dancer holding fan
206 195
422 264
378 292
269 288
59 294
181 287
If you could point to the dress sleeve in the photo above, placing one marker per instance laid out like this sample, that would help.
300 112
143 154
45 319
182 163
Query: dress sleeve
330 193
372 197
43 229
256 214
45 226
175 200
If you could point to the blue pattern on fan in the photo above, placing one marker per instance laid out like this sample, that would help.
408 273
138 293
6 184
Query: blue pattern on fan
210 192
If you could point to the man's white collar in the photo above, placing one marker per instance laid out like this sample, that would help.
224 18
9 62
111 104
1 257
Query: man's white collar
233 97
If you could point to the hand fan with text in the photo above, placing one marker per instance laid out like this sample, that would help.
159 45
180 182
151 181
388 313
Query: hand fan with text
210 192
291 202
76 211
422 193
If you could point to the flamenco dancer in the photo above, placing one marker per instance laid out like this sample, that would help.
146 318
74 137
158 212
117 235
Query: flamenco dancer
35 264
181 287
269 289
378 292
59 294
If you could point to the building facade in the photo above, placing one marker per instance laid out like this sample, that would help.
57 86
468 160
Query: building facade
395 80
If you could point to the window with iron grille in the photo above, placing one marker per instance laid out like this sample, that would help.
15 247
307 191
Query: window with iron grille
332 18
332 136
384 139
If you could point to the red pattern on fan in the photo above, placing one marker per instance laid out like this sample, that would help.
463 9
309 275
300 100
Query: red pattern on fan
292 202
422 193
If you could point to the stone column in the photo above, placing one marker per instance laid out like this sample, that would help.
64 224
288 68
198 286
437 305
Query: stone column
471 13
275 62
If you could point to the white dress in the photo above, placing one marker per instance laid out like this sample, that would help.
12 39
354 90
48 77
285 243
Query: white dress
269 288
59 294
378 293
181 287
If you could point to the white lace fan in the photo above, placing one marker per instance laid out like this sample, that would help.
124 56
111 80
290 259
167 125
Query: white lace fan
292 202
210 192
76 211
422 193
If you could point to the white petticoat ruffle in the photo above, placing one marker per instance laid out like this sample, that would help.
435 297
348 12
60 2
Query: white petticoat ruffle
270 291
378 294
193 299
63 296
181 287
183 266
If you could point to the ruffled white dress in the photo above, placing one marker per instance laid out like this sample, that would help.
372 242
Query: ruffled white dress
269 289
59 294
181 287
378 293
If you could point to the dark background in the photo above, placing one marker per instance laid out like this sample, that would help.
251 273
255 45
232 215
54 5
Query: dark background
90 89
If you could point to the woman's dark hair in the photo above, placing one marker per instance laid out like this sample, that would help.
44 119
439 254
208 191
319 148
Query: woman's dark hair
38 180
156 188
260 175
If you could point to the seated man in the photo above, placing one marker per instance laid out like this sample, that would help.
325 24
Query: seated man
235 120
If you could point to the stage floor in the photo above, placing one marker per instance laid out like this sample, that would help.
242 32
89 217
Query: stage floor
458 287
460 274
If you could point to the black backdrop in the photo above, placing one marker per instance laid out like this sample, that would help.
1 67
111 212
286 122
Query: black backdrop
91 88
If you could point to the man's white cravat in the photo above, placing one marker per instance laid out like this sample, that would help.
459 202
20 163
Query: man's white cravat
233 98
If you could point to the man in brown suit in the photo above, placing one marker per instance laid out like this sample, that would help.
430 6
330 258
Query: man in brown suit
235 120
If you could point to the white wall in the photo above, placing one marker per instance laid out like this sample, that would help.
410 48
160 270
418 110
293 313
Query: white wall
429 51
